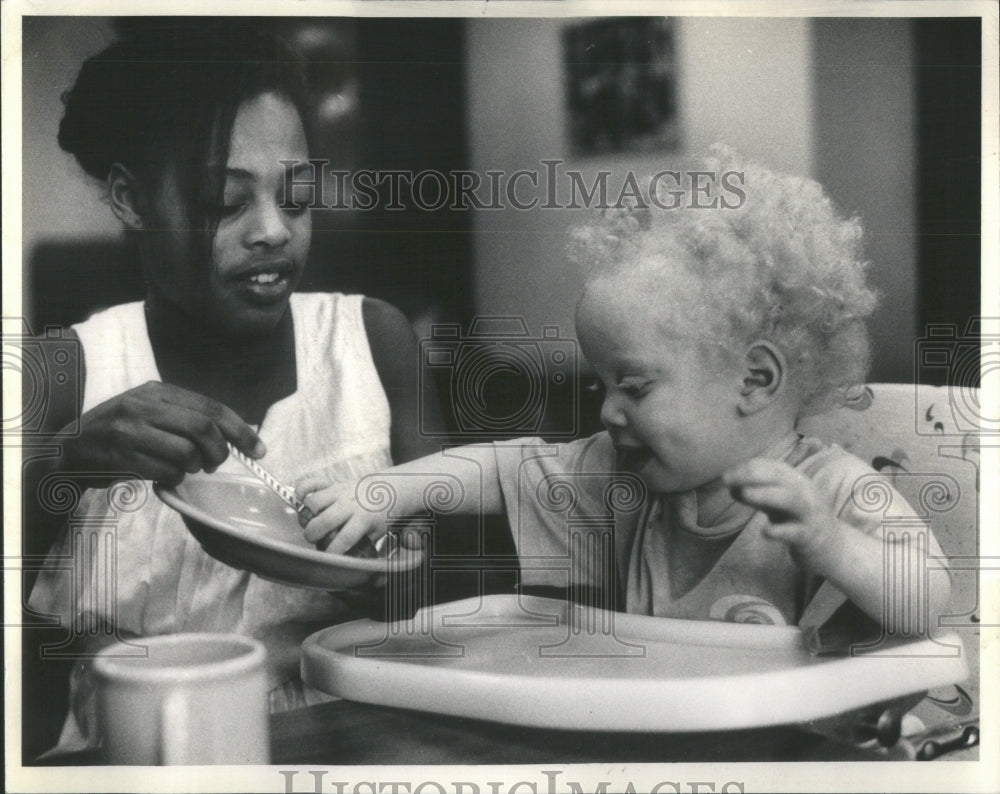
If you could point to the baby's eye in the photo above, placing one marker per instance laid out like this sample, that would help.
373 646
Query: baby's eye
634 389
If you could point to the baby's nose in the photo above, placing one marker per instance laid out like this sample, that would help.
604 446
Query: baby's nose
611 413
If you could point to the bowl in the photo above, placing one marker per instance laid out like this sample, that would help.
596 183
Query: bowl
242 523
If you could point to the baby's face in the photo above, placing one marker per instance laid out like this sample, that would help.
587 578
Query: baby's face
670 409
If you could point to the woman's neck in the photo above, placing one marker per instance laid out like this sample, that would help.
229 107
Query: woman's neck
246 374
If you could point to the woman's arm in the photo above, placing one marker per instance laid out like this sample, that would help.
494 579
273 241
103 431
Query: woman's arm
414 404
63 402
156 431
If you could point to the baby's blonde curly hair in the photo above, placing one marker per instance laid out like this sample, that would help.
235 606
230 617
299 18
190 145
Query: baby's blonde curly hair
783 266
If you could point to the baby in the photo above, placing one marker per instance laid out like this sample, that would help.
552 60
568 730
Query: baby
713 331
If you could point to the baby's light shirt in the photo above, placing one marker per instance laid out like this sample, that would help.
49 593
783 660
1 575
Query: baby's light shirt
576 521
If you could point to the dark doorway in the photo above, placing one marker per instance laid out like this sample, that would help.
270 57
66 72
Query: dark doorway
949 94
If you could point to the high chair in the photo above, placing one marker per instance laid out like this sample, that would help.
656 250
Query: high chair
925 440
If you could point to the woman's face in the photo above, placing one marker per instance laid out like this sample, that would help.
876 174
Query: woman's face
259 249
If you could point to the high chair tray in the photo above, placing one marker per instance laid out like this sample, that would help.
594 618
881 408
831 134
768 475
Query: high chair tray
545 663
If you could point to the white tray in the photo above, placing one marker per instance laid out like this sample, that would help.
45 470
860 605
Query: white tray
539 662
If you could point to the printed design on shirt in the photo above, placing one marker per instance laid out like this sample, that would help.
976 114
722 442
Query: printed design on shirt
746 609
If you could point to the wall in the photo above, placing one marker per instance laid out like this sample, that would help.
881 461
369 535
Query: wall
866 158
785 91
53 51
827 98
745 82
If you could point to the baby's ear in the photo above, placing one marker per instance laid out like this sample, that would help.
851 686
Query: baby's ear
764 369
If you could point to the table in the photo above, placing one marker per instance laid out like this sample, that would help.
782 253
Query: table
343 732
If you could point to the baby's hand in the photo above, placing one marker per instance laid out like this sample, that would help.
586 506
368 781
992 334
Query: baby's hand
338 522
790 501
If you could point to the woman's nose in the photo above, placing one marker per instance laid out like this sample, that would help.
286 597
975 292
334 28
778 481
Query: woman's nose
271 226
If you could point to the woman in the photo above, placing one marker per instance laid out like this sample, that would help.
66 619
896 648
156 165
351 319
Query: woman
188 129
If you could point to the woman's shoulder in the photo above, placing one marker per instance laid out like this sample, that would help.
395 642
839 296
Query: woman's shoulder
391 340
380 318
383 319
105 334
122 315
354 320
306 303
389 331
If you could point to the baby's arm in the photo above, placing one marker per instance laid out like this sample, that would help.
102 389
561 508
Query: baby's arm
820 542
470 473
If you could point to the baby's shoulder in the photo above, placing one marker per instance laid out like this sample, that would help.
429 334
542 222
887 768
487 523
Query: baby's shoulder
836 473
814 456
591 455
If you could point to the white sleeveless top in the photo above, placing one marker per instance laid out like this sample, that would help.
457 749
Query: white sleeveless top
159 580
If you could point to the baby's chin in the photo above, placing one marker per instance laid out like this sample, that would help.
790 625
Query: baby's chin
661 482
659 479
633 459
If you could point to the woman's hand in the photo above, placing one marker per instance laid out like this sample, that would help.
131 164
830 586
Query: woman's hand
795 515
157 432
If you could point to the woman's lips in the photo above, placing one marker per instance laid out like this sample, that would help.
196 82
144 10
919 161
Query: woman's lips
265 284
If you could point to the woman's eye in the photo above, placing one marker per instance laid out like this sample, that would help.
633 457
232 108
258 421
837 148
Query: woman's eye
227 210
295 208
299 197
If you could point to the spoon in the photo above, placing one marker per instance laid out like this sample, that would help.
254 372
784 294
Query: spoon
365 548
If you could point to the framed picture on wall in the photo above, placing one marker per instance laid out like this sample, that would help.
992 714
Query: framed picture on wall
620 78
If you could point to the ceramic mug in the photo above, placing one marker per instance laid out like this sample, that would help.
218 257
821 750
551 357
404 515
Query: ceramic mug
192 699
